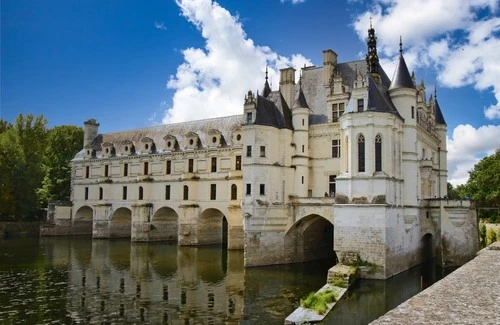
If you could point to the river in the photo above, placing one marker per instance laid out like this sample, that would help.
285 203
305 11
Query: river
84 281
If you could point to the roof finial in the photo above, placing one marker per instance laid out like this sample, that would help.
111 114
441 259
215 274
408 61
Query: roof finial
266 72
400 45
371 22
435 92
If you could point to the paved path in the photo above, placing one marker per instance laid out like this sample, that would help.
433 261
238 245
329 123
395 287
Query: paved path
470 295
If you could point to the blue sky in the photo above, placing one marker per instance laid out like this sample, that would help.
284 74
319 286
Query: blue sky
132 63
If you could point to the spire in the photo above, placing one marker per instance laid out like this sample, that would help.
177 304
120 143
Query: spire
267 89
300 99
437 112
402 78
372 61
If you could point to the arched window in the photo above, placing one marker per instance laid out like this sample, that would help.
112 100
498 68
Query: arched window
361 153
141 193
234 192
186 192
378 153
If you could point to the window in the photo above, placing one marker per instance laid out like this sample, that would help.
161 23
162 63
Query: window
262 189
303 122
146 168
378 153
303 148
106 170
336 148
262 151
249 118
361 105
190 165
249 189
124 193
167 192
141 193
331 185
87 171
234 192
361 153
302 179
101 193
337 111
412 112
169 167
238 163
249 151
186 193
214 164
125 169
213 191
86 193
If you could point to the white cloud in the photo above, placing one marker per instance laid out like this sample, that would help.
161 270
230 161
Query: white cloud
430 28
213 80
160 25
467 146
295 2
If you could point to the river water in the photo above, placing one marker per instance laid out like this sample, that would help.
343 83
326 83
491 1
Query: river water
84 281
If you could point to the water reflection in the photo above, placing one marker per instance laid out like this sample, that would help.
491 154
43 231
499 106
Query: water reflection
114 281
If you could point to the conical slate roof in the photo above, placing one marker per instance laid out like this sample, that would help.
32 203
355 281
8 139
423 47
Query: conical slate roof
300 100
439 114
402 77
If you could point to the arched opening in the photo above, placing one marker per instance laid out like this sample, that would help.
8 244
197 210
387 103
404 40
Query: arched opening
121 223
361 153
234 192
378 153
82 221
426 248
164 225
185 195
309 239
212 227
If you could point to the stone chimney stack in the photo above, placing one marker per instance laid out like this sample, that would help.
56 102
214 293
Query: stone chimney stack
287 85
90 131
329 63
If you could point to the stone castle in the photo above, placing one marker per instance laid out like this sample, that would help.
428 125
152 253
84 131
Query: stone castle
344 162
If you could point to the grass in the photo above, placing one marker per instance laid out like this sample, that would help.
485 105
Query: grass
338 282
318 301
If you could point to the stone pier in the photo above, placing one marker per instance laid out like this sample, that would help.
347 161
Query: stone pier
470 295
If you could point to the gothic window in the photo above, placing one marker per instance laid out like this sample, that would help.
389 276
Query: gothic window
234 192
214 164
361 153
167 192
141 193
124 193
213 191
331 185
190 165
186 193
378 153
169 167
238 163
361 105
249 151
336 148
125 169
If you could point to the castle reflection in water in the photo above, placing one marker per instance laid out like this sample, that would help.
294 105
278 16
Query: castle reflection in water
115 281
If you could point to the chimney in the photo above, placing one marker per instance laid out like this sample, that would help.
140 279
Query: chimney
90 131
329 63
287 85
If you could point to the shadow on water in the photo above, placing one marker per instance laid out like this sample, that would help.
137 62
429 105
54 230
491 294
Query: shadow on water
114 281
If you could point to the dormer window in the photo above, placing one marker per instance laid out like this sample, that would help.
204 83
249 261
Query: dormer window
170 143
216 138
128 148
148 145
192 141
249 118
236 136
108 149
89 151
361 105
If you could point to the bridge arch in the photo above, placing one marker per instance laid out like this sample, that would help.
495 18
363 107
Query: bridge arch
164 225
308 239
212 227
82 221
121 223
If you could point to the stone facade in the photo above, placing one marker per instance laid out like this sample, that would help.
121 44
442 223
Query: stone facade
344 161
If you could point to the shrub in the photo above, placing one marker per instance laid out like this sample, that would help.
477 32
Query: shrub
491 235
318 301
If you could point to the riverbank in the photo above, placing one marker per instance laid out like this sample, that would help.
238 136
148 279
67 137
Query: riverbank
467 296
15 229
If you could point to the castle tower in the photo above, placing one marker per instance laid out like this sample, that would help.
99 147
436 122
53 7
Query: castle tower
300 120
442 150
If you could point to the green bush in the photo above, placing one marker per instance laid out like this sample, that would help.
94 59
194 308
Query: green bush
318 301
482 234
491 235
338 282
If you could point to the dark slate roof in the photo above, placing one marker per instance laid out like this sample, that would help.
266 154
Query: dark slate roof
379 99
402 77
267 89
300 100
439 114
225 125
273 111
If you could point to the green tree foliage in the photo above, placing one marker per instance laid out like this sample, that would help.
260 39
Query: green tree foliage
483 185
12 163
63 142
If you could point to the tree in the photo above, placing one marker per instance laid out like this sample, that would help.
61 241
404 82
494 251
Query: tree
11 164
63 142
483 185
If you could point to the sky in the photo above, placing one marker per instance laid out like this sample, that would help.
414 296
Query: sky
132 63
